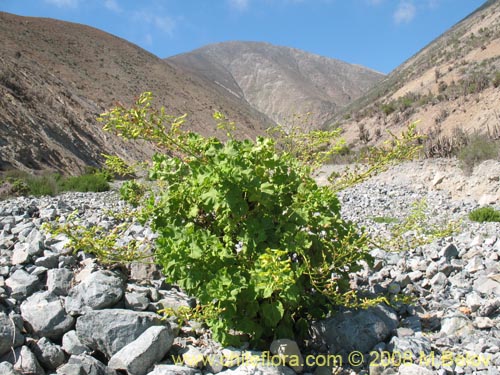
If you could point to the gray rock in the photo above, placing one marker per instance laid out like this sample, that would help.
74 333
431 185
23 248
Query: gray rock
59 281
45 315
88 364
456 325
417 345
21 284
290 353
110 330
141 354
71 369
72 344
6 368
439 281
173 370
193 357
49 260
357 330
449 252
20 254
489 285
99 290
413 369
27 363
10 335
258 370
50 355
136 301
144 271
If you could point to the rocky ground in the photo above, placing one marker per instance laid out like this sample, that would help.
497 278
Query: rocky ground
63 313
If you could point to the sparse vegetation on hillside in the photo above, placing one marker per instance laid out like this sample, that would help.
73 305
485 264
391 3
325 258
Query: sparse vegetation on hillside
485 214
243 227
16 183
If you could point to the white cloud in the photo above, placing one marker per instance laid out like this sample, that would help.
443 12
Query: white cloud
163 23
148 39
113 6
405 13
433 4
63 3
239 4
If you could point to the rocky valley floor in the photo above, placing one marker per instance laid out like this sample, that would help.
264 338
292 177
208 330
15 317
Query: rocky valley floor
63 313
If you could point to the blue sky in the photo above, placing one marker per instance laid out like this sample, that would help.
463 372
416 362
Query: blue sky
379 34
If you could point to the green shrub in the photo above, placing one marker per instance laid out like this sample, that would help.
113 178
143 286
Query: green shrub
385 220
95 182
485 214
43 185
479 148
496 80
243 227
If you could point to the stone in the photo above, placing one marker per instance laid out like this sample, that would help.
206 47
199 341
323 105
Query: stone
357 330
49 260
487 285
27 363
456 325
141 354
257 370
88 364
193 357
413 369
7 368
100 290
45 315
136 301
21 284
10 335
71 369
20 255
59 281
72 344
417 345
474 265
439 281
482 322
50 355
473 301
173 370
110 330
449 252
290 353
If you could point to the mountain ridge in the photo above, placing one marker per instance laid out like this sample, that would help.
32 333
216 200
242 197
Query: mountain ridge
275 79
56 77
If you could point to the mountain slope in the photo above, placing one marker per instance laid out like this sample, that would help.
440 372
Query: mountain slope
452 83
56 77
280 81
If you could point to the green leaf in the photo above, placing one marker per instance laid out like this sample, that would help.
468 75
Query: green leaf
272 312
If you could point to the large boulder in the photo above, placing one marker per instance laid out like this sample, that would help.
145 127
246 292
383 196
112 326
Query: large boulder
10 336
99 290
110 330
45 315
140 355
358 330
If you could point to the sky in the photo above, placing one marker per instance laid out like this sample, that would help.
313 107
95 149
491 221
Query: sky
378 34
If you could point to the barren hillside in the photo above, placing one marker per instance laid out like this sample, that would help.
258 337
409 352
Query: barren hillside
280 81
453 83
56 77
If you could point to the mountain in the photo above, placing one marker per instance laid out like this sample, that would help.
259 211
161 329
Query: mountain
280 81
57 77
450 86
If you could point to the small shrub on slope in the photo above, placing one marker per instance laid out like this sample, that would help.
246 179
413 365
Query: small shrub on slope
485 214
